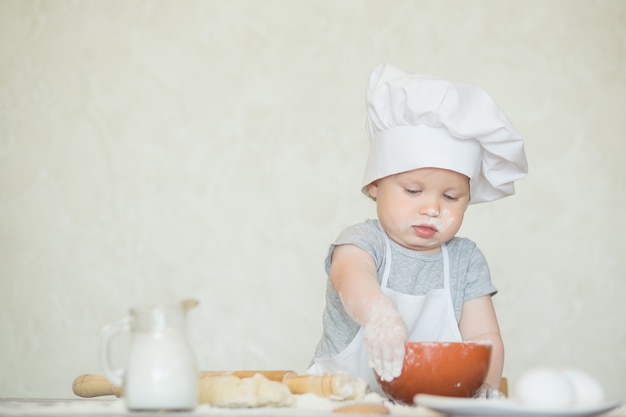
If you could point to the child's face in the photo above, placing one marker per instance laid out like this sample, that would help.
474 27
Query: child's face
423 208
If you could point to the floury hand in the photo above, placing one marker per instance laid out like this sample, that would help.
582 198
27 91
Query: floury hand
487 392
385 335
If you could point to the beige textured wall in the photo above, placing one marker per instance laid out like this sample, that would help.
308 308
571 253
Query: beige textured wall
153 150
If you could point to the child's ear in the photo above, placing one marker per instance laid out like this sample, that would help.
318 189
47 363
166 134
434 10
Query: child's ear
372 190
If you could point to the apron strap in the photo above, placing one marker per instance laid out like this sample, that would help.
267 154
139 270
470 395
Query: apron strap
446 284
446 267
385 278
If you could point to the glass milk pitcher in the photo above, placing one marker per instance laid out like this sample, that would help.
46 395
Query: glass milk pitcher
161 372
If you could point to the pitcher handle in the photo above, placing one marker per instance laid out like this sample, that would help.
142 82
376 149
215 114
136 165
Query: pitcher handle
115 375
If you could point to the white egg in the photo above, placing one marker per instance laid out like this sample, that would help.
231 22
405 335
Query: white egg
544 387
587 390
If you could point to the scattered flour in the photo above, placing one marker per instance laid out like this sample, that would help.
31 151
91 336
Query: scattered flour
304 405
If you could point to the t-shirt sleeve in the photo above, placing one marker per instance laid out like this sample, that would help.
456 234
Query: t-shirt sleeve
366 236
478 278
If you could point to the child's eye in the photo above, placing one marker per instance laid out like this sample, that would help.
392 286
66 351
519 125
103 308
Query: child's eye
413 191
450 198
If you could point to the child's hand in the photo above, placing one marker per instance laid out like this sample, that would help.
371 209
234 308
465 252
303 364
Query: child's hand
385 335
486 391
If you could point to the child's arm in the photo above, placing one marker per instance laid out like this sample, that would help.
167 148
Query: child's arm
353 275
479 323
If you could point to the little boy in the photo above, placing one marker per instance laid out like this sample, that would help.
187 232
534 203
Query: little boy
435 147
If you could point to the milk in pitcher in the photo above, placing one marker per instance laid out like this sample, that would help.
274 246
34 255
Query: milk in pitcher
161 371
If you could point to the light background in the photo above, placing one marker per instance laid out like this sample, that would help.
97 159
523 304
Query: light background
156 150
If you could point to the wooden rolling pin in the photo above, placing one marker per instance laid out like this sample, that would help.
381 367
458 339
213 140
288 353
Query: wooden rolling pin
327 385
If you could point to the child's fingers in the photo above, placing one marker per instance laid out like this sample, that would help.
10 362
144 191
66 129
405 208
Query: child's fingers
398 360
387 360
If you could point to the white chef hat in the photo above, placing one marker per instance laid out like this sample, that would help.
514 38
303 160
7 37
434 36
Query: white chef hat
416 121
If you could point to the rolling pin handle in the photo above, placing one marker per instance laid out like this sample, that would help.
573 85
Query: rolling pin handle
326 385
89 386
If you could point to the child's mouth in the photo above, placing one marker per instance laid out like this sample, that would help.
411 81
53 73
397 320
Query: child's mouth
425 231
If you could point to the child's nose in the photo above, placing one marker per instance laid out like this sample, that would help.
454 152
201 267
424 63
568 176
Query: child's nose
430 209
432 212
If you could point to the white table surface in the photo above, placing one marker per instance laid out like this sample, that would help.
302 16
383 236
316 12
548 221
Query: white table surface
113 407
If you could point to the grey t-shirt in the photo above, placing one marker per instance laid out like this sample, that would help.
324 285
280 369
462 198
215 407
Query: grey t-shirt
412 272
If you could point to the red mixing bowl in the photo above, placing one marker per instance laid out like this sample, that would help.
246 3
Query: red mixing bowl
451 369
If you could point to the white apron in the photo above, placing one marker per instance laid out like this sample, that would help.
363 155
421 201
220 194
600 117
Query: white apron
428 317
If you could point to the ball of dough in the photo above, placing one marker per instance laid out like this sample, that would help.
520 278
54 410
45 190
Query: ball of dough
231 391
587 390
544 387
